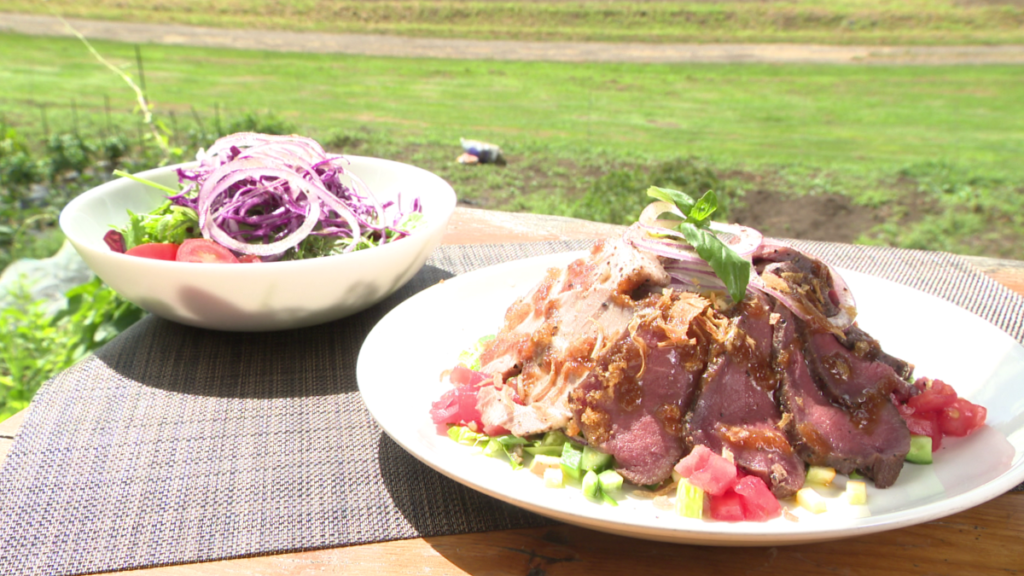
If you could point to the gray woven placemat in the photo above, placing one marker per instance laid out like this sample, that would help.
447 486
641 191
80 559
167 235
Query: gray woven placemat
175 444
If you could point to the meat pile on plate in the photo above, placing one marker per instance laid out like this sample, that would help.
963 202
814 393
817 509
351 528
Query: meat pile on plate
604 350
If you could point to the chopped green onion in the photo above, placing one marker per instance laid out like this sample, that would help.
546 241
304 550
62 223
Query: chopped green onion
510 440
543 450
554 438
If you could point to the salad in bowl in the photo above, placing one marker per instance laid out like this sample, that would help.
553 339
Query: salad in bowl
262 232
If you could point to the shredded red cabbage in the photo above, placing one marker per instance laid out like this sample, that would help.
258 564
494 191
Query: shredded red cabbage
265 195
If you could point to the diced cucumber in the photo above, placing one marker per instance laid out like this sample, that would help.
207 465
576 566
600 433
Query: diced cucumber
856 475
920 449
594 459
454 431
610 481
544 450
689 500
591 485
571 461
823 475
608 499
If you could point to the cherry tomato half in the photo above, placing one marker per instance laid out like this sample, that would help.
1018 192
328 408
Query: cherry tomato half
249 259
206 251
155 251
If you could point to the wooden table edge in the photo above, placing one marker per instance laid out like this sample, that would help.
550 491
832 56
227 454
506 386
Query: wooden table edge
538 550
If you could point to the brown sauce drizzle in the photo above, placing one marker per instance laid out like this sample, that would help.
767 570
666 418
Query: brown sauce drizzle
760 439
814 440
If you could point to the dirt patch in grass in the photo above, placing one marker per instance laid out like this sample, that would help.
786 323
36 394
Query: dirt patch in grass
828 217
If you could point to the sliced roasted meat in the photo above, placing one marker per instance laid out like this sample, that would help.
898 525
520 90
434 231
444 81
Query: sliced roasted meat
872 439
863 345
848 377
550 336
633 403
815 292
736 408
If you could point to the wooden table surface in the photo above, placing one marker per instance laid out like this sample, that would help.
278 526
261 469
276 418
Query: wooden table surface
988 539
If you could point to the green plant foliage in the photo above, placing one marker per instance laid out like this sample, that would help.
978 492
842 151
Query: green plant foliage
268 123
66 153
35 344
619 196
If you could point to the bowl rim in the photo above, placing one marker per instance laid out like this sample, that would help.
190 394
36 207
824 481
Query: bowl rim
445 208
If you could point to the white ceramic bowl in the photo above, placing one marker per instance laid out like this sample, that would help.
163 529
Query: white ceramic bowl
266 296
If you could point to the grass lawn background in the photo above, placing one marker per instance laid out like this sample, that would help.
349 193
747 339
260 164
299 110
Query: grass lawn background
944 141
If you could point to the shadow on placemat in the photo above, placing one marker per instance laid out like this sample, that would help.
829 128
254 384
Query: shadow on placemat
285 364
414 489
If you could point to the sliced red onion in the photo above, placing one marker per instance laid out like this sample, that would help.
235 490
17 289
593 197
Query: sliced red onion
745 240
240 191
214 188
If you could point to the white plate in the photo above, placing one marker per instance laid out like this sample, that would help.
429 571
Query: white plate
402 359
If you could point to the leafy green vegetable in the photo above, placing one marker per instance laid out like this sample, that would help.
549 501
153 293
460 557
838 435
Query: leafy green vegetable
168 223
470 357
729 266
680 199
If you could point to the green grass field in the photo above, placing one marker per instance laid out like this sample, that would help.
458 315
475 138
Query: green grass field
888 139
814 21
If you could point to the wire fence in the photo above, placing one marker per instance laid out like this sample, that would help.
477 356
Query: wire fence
37 119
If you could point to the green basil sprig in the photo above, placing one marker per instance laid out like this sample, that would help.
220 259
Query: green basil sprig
729 266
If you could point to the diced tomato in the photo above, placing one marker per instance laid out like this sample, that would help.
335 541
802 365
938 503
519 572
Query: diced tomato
155 251
962 418
707 471
468 411
461 375
759 504
938 412
443 410
922 424
935 395
458 406
205 251
727 507
249 259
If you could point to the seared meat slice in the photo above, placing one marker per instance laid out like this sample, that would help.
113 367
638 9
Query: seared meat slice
863 345
873 439
736 407
812 289
851 378
632 404
550 336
